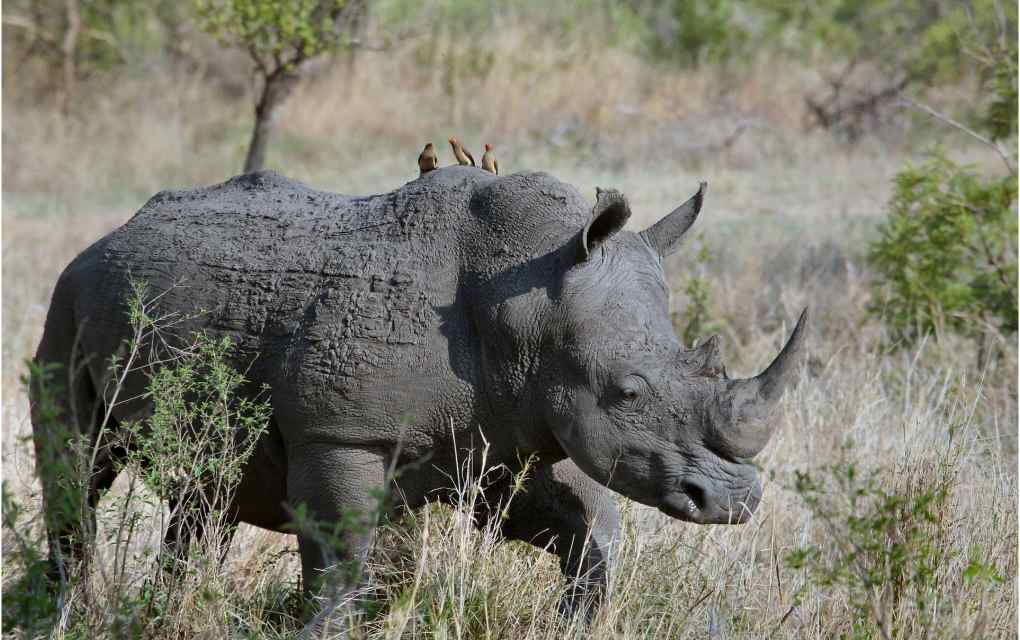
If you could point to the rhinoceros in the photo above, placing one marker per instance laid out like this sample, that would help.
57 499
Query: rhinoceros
399 330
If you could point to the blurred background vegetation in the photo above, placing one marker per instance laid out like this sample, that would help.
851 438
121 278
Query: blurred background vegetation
108 101
866 55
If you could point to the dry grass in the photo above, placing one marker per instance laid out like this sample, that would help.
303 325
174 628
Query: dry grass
787 219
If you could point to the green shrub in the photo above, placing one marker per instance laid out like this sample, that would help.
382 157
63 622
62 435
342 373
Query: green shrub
200 427
884 50
192 448
887 549
29 603
112 35
920 40
946 257
698 32
999 82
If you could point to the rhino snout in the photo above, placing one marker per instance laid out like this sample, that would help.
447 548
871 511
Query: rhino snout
703 501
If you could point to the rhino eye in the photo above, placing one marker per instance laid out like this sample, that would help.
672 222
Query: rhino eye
632 390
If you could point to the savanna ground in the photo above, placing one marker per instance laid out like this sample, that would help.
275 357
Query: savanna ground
788 216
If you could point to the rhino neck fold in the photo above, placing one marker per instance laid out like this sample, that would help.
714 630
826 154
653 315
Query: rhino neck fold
510 337
516 247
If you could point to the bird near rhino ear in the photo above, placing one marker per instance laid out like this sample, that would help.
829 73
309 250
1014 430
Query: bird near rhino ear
610 213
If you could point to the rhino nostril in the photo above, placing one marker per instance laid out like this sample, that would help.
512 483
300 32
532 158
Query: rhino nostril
695 492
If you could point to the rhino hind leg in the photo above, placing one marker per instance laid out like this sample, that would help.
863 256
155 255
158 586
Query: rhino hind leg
566 512
68 419
335 498
71 535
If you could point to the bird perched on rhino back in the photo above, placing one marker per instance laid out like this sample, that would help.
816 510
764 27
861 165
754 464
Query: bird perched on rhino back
428 160
463 155
489 160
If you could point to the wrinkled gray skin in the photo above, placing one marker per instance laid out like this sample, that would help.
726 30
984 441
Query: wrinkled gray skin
397 330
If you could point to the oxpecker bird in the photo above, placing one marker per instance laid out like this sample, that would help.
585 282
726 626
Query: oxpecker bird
489 160
463 155
428 160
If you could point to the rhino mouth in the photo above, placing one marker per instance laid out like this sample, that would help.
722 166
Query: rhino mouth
692 501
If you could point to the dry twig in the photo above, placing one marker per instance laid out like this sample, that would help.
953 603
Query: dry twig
964 128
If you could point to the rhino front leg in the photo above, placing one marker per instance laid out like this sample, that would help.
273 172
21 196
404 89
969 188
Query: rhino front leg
335 496
563 510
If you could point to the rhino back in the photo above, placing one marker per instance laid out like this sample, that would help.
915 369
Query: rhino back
320 292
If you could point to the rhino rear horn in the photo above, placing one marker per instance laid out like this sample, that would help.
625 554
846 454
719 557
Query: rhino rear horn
610 213
708 355
664 236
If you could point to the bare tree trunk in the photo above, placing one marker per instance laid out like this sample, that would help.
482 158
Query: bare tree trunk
68 49
275 90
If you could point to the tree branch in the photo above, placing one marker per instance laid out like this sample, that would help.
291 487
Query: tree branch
69 49
28 25
974 134
260 65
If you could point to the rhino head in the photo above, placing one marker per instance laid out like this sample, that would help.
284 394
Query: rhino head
579 354
627 402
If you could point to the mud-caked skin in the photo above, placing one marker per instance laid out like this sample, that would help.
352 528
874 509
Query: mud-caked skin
402 330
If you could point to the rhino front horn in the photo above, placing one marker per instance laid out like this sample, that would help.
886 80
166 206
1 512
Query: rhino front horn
751 401
664 236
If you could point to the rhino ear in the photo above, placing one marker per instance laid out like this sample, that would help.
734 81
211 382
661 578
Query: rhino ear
609 215
665 235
